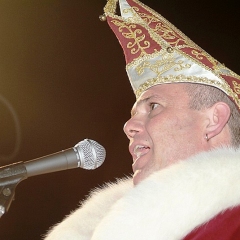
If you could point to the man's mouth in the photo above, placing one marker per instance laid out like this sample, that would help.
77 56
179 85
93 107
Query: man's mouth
140 150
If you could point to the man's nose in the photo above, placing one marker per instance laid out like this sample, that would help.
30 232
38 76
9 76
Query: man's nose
132 127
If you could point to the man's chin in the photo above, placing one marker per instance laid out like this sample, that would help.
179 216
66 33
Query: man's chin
139 176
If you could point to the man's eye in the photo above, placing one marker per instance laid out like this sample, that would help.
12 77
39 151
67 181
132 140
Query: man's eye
153 105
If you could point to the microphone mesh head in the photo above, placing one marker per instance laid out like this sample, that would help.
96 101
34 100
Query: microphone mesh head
91 153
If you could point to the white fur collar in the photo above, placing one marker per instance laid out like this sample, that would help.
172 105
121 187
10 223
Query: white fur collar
167 205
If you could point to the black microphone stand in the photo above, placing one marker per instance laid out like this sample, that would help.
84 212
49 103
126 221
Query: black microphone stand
10 177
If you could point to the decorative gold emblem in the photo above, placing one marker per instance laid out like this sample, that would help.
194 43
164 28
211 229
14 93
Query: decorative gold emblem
130 31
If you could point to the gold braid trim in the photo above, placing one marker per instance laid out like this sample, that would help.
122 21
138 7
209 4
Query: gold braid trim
110 7
225 87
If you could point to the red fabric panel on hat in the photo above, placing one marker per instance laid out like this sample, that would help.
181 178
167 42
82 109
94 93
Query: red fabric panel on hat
171 34
134 39
158 24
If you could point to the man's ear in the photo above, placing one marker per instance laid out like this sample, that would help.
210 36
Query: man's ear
218 116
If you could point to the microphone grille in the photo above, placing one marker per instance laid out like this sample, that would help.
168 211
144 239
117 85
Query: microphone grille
92 154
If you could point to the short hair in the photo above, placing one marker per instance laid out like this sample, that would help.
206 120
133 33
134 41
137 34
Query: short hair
205 96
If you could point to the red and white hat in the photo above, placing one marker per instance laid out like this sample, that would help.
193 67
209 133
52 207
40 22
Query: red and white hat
156 52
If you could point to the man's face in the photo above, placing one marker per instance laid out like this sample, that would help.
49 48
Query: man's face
163 129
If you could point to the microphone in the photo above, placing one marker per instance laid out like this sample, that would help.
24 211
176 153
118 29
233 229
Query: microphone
87 154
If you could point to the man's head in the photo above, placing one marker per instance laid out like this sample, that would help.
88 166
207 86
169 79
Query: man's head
183 94
168 124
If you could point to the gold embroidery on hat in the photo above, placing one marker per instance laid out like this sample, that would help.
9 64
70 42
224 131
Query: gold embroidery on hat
147 18
236 87
197 54
158 67
167 31
111 6
225 87
167 23
130 31
181 66
163 65
163 29
135 17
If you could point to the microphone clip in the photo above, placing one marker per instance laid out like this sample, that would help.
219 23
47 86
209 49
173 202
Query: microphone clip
10 177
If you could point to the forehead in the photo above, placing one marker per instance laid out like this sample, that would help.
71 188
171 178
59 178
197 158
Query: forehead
166 93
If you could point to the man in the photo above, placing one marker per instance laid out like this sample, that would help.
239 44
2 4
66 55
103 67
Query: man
184 139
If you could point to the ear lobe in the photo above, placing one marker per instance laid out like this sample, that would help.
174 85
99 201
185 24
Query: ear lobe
219 115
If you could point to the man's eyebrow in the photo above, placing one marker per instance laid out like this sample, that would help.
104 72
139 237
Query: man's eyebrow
139 102
144 100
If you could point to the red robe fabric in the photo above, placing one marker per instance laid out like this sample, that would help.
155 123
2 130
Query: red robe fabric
224 226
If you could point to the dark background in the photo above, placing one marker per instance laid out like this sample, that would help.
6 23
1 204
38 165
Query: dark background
62 72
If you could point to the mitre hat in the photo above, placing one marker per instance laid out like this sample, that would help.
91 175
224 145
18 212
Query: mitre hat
156 52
